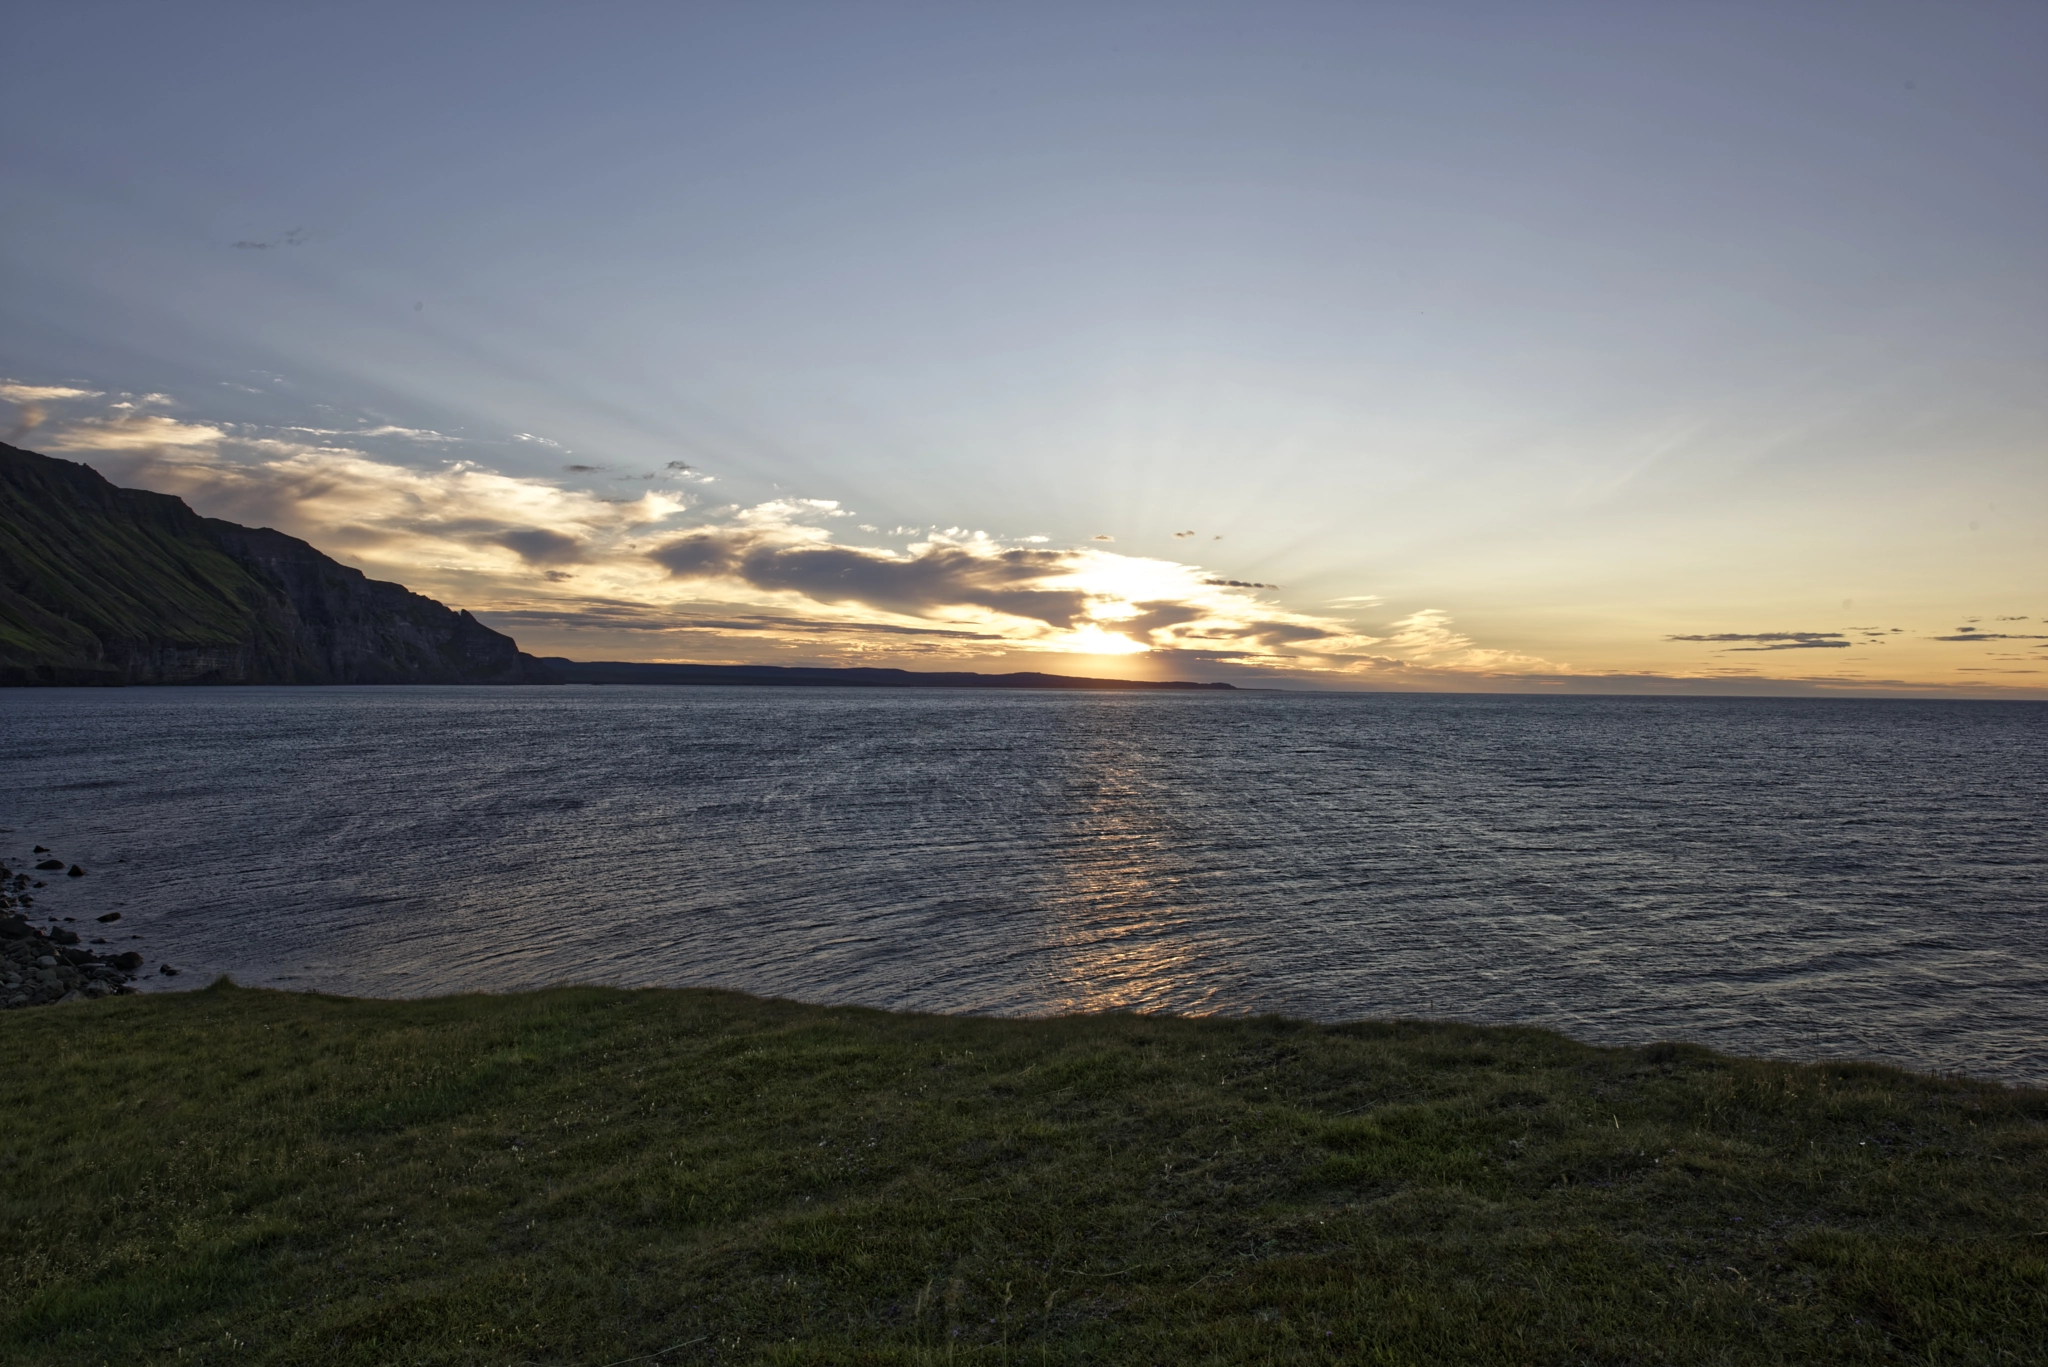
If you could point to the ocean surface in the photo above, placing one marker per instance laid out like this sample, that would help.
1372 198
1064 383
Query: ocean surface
1803 878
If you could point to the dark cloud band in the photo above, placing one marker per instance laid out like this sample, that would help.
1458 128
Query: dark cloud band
1774 640
937 577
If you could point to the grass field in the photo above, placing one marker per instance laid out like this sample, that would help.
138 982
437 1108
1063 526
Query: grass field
586 1176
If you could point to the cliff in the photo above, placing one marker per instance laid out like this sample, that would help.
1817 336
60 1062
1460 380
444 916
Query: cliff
103 585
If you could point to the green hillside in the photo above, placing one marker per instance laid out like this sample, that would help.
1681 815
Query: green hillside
103 585
84 565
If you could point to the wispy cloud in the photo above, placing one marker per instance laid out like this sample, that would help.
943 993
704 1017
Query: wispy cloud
16 392
1967 635
291 237
1775 640
31 403
137 432
417 434
1428 637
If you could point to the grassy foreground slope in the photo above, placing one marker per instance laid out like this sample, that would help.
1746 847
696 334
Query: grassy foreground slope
583 1176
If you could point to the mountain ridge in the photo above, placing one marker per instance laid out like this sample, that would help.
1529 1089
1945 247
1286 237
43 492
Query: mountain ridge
105 585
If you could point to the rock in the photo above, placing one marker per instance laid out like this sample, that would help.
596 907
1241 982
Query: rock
14 928
63 937
51 864
128 962
40 849
110 916
47 961
75 871
167 970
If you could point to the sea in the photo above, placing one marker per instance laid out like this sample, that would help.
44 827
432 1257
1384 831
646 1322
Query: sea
1825 878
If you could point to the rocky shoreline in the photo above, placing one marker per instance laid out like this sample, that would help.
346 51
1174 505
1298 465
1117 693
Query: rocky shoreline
46 967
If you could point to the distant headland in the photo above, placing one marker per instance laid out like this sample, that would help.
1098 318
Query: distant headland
101 585
628 672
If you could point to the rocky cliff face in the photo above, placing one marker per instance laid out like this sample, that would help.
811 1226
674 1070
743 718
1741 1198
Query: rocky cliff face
102 585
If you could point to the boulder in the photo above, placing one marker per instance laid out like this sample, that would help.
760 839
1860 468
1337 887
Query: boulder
51 864
74 871
128 962
110 916
63 937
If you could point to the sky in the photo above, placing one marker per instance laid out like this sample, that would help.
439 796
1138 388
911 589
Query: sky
1456 346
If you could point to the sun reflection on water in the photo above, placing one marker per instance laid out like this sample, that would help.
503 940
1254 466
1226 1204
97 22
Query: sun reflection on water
1122 939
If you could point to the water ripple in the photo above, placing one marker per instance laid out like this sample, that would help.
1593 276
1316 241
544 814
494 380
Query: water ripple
1813 877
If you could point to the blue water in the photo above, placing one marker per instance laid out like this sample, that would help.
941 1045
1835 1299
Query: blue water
1818 878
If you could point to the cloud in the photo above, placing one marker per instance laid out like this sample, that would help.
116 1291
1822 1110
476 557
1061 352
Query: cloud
1795 645
292 237
1427 632
16 392
1084 600
539 546
930 578
31 403
420 434
458 531
1427 638
781 578
1775 640
643 618
1968 635
140 432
